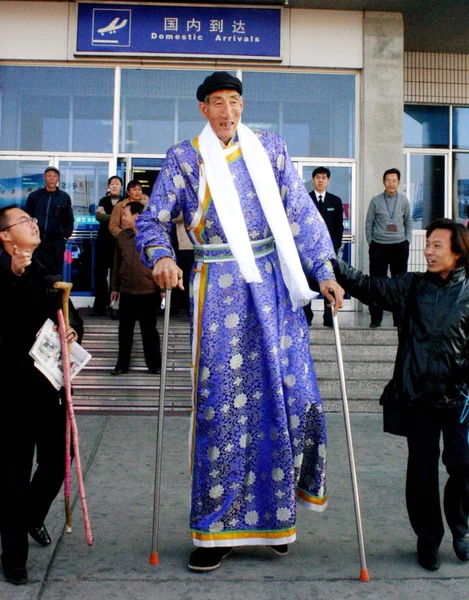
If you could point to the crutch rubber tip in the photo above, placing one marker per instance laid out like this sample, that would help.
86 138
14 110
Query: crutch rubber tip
364 575
154 558
68 529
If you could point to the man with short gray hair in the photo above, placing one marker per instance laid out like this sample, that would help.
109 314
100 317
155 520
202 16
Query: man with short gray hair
388 231
52 207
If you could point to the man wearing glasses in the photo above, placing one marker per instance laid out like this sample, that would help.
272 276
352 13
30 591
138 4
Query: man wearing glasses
32 413
388 230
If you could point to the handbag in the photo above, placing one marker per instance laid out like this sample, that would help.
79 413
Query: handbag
394 410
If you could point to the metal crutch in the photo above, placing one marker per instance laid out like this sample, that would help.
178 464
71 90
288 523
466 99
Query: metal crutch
154 558
364 575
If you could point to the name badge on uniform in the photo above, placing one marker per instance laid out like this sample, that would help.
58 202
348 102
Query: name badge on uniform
391 227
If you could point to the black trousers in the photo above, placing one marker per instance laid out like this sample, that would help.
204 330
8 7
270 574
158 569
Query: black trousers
35 422
180 299
383 257
327 316
422 487
142 308
103 264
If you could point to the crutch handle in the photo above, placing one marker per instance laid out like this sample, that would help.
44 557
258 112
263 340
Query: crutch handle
66 288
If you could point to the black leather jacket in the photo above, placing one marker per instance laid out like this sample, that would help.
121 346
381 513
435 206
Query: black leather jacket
432 362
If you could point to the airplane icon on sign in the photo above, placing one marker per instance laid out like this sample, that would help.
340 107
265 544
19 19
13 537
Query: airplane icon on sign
113 26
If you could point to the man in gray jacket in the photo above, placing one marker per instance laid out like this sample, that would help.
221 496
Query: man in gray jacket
389 233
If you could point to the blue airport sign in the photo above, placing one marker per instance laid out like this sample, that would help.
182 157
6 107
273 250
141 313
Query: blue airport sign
133 29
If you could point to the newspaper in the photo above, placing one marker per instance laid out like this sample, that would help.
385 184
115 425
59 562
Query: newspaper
47 355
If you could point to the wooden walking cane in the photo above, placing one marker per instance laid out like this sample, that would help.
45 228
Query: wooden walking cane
66 288
70 422
364 575
154 557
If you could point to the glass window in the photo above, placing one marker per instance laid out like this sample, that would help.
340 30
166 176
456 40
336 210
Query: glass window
314 113
461 128
427 189
56 109
159 109
18 178
426 126
461 187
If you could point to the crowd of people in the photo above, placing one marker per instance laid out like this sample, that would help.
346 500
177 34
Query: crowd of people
256 243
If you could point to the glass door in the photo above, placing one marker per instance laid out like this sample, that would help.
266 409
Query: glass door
85 181
144 169
460 205
425 183
343 184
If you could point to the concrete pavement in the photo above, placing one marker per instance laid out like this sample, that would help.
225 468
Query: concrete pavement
118 458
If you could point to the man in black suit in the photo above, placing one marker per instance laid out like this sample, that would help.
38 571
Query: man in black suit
331 210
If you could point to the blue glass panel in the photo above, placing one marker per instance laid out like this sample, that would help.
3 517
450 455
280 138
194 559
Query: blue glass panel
18 178
314 113
461 187
461 128
427 189
56 109
426 126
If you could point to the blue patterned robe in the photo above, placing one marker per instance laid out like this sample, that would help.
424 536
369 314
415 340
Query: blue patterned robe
258 439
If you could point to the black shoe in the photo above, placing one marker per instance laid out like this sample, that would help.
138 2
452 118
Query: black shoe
41 535
157 369
208 559
117 371
461 547
327 324
428 555
375 325
18 576
281 550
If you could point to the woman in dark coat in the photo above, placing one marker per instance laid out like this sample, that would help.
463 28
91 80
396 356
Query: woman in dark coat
105 245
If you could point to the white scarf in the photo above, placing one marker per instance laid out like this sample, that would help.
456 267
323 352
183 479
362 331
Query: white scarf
228 206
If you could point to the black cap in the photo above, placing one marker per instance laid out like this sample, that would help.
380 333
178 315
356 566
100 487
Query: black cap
52 169
220 80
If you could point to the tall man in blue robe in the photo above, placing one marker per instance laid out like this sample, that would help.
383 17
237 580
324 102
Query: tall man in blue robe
258 435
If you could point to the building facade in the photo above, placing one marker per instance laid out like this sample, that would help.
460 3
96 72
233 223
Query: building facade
335 91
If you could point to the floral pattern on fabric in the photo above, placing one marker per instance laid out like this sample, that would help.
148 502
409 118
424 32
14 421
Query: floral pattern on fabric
259 435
